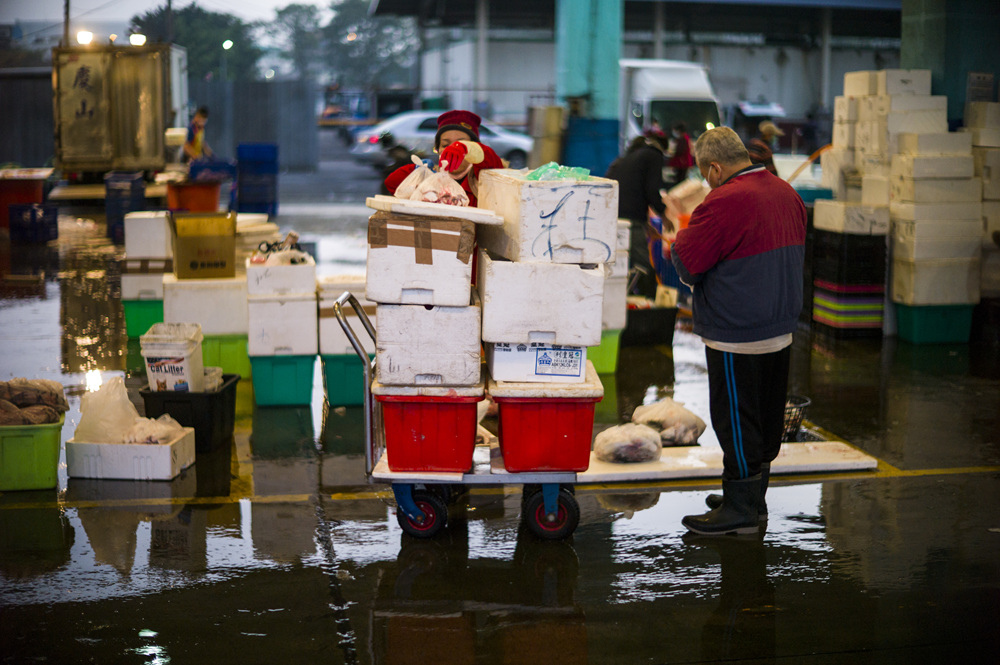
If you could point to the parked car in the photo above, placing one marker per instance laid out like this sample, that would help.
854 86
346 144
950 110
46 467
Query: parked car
416 129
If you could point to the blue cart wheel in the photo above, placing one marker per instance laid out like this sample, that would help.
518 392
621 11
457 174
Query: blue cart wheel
560 524
435 515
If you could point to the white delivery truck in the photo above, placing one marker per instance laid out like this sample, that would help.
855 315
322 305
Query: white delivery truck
665 92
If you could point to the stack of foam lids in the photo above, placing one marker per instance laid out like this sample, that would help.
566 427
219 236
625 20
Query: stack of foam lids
419 275
541 275
251 230
148 255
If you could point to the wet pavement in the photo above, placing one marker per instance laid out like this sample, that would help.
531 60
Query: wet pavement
276 549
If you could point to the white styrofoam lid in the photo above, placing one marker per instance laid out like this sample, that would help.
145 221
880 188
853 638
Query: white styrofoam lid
477 390
436 210
280 297
591 387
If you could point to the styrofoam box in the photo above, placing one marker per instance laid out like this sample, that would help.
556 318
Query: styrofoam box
991 222
989 275
624 235
435 346
982 114
938 143
614 314
916 248
142 279
984 137
843 135
874 190
548 303
938 190
932 166
560 221
876 107
902 81
264 279
147 235
871 164
536 363
332 339
394 276
843 217
620 267
219 305
935 211
833 163
131 461
874 138
986 162
283 325
936 281
845 109
936 229
858 84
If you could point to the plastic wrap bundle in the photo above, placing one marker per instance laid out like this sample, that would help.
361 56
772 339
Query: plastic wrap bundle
629 443
677 425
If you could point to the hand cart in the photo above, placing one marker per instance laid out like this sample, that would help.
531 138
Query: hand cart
549 506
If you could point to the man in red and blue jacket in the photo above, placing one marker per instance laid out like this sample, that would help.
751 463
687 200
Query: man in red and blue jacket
743 254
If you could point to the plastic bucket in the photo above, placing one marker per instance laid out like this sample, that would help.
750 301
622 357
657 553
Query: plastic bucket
172 352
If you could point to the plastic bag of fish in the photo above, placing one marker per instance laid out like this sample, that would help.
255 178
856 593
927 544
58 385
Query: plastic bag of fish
677 425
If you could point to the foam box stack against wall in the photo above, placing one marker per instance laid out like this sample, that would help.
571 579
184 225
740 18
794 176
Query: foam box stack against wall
982 124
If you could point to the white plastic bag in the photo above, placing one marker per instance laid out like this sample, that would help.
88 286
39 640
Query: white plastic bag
106 415
627 443
412 181
677 425
441 188
148 430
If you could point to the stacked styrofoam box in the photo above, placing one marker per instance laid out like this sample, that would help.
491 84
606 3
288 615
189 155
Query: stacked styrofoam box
219 305
614 308
281 310
839 160
982 123
541 276
148 257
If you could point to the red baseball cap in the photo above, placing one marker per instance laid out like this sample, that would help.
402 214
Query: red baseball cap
465 121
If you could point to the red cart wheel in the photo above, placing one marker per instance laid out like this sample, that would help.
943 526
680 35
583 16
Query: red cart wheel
435 515
558 525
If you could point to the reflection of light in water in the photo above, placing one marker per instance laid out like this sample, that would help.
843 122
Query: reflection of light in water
158 655
94 380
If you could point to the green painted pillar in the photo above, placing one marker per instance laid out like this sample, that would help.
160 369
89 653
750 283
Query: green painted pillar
951 38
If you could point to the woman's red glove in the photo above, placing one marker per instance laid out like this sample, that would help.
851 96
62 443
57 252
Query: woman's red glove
458 152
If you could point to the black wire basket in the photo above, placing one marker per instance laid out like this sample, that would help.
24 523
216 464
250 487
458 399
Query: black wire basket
795 411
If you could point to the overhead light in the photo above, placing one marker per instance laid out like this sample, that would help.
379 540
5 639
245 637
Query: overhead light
136 39
84 37
112 37
228 44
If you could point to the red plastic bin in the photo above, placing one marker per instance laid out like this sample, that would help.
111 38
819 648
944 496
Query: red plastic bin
429 429
547 432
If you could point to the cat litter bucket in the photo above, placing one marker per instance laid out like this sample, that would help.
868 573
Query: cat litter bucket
172 352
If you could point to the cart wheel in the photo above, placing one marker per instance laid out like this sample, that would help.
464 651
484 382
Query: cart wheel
435 515
552 527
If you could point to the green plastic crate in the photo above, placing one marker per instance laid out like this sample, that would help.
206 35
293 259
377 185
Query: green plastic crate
282 380
228 352
605 355
934 324
29 456
344 379
140 315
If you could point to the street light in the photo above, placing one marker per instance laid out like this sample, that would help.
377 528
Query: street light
226 45
136 39
84 37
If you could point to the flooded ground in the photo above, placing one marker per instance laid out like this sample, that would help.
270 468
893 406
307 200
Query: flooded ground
276 548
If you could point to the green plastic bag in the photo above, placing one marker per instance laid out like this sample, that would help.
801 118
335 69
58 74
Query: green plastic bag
553 171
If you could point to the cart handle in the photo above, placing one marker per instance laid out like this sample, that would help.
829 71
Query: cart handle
369 366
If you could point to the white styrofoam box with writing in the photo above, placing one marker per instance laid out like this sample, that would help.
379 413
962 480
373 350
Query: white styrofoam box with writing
264 279
557 221
868 163
874 190
845 217
624 234
991 222
131 461
935 211
536 363
944 240
876 107
984 137
833 163
845 109
986 163
620 267
874 138
142 279
332 339
902 81
419 261
936 281
219 305
936 229
937 143
859 84
614 311
932 166
283 325
429 346
937 190
147 235
548 303
916 122
843 135
989 274
982 114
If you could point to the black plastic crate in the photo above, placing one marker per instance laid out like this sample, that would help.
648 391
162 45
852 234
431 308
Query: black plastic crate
33 223
648 326
212 415
848 258
257 187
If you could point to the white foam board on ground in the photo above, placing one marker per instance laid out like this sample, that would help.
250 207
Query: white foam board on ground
991 222
845 109
932 166
269 280
219 305
982 114
480 215
147 235
131 461
283 325
142 279
984 137
537 363
902 81
875 190
845 217
936 281
936 143
986 162
937 190
555 221
418 345
614 312
935 211
540 302
859 83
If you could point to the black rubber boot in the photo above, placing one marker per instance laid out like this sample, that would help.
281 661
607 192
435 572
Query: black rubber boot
715 500
737 514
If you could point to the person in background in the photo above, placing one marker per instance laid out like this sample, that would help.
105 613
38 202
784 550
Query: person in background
639 173
760 147
459 153
743 254
681 158
195 146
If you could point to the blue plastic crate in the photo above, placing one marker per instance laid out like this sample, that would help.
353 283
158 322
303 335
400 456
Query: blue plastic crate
213 171
257 152
33 222
268 208
124 192
257 187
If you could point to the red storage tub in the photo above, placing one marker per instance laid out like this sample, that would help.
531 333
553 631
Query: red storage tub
429 429
194 196
20 186
547 426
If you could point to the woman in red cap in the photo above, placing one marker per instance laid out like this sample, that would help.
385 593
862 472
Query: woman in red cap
459 153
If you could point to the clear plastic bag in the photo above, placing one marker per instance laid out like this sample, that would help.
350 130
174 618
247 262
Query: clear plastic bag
148 430
676 424
412 181
107 414
441 188
629 443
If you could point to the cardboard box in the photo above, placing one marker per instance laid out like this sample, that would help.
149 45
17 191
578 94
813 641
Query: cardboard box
937 143
935 211
902 81
844 217
147 235
845 109
536 362
131 461
559 221
858 84
939 190
614 312
936 281
204 244
142 279
986 164
932 166
982 114
270 280
538 302
843 136
219 305
874 190
283 325
429 346
984 137
332 339
417 260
